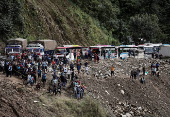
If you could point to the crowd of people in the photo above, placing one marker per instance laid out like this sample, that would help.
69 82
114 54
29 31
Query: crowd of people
135 73
33 69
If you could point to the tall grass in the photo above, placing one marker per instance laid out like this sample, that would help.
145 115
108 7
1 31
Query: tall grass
66 107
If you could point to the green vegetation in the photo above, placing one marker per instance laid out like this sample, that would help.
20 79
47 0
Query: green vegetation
66 107
86 22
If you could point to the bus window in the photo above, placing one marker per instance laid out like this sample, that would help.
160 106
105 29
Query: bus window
148 50
112 51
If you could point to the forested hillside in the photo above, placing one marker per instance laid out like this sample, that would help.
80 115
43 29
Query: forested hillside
86 22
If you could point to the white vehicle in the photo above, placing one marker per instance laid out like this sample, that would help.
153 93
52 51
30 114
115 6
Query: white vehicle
165 50
148 50
37 48
110 50
123 51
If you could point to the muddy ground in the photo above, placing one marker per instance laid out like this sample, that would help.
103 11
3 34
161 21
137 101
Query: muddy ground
119 95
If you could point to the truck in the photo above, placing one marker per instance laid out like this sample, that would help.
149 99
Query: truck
165 50
42 46
48 44
15 46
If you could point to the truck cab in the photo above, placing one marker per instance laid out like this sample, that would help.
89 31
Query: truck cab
13 49
37 48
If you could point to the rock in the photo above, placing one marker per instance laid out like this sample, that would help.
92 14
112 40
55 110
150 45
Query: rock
128 115
107 92
122 92
36 101
140 108
118 85
123 115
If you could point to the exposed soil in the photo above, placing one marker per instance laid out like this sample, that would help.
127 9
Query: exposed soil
150 99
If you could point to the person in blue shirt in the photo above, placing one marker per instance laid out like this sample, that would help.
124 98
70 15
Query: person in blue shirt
109 53
12 56
18 70
157 66
44 79
39 72
78 67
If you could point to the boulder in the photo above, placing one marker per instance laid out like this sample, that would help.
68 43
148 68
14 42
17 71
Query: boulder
122 92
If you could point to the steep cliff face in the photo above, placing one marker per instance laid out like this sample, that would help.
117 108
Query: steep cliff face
60 20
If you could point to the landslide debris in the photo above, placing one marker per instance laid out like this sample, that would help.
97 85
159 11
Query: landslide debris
129 97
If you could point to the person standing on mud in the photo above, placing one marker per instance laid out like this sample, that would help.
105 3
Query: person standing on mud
10 70
138 72
132 74
129 53
112 70
44 79
157 66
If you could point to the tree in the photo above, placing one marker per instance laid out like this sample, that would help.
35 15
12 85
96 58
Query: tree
144 26
10 18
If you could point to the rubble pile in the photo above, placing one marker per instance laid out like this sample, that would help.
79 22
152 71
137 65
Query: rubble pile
123 68
151 98
128 110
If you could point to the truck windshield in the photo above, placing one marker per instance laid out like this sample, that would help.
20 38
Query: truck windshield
148 49
30 50
36 50
8 50
16 50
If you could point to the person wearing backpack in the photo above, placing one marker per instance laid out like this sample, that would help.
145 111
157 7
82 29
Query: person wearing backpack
44 79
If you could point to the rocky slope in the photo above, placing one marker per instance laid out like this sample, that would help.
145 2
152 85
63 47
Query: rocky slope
126 96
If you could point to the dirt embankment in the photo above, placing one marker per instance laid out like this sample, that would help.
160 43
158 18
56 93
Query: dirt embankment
18 100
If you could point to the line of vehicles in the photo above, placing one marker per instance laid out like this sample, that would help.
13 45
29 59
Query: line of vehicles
42 47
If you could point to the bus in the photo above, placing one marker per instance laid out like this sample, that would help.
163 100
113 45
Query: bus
109 50
37 48
123 51
61 51
148 50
